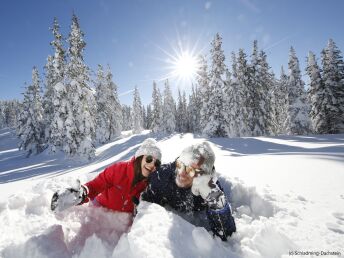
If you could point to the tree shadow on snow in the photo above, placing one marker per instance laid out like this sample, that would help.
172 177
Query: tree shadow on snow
15 166
239 147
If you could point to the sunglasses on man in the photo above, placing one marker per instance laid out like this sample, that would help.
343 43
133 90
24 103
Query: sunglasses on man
149 159
192 172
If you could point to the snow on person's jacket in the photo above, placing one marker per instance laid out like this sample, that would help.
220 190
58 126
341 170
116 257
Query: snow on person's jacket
113 188
163 190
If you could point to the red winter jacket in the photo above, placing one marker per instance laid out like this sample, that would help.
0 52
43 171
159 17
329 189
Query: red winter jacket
112 188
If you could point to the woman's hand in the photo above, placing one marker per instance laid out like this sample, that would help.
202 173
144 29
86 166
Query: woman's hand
69 197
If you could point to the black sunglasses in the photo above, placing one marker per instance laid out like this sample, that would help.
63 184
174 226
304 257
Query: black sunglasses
149 159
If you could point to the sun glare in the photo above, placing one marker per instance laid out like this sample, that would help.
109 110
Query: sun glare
185 66
181 63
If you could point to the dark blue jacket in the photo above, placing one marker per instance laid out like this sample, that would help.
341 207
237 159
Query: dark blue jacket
163 190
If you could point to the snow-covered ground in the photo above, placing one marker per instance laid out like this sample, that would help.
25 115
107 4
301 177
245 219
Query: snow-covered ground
287 194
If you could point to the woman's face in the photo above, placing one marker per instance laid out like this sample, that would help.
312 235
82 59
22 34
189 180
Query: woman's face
147 167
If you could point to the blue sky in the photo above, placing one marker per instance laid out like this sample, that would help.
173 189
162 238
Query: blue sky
134 36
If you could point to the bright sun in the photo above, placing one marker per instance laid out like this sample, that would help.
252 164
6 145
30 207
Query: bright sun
185 66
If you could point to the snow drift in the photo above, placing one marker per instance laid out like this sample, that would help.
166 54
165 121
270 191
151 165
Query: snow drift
286 194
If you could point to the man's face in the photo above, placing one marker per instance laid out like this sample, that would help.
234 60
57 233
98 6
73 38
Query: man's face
184 179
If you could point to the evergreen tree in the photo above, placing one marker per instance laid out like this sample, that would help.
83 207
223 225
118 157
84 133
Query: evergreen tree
103 112
126 118
216 126
2 114
114 106
279 106
144 116
298 119
109 113
80 124
204 91
333 78
244 95
266 82
54 73
168 118
255 95
181 113
30 129
9 113
137 113
232 101
317 96
156 125
194 110
149 117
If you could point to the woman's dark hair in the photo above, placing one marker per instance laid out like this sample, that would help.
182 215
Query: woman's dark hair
137 171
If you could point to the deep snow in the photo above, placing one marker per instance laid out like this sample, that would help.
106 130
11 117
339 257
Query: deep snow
286 192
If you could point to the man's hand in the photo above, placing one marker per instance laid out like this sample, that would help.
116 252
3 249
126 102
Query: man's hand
69 197
206 187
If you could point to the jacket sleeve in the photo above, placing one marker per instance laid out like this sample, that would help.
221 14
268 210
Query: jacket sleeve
221 220
156 190
104 180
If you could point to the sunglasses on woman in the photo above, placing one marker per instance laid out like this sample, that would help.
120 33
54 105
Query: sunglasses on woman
149 159
189 170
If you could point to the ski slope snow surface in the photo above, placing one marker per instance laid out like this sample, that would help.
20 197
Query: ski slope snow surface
287 195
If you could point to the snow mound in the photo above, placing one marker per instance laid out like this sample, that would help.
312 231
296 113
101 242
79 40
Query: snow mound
30 229
157 232
246 200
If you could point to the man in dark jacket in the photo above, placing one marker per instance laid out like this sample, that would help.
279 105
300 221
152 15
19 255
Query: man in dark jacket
189 185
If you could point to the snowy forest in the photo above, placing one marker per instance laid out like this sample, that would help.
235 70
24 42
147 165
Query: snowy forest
235 96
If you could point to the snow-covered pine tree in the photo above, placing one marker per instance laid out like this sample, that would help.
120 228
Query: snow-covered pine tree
109 113
255 96
228 101
30 129
144 116
168 117
194 110
233 101
2 114
126 117
54 73
80 125
216 126
279 105
317 97
204 91
181 113
114 106
137 112
187 115
156 125
149 116
266 81
9 113
298 118
333 78
103 112
243 79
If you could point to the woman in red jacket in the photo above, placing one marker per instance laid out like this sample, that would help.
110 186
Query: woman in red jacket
118 186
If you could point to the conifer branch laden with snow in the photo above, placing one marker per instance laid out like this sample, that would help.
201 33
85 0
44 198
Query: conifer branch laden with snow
215 125
30 126
80 121
137 112
333 79
157 113
169 119
298 108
